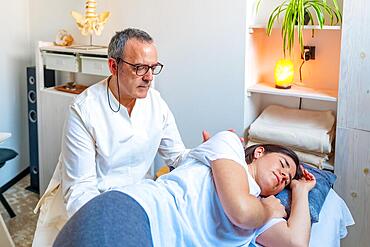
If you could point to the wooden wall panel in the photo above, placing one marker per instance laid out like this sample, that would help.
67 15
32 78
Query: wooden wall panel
354 83
352 167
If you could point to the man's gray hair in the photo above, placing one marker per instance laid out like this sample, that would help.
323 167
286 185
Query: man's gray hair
117 43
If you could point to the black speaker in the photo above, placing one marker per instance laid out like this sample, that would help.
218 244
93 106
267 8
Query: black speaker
49 81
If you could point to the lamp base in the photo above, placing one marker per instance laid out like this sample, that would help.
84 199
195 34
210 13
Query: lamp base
299 84
281 87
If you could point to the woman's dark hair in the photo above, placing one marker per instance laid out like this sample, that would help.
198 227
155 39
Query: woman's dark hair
272 148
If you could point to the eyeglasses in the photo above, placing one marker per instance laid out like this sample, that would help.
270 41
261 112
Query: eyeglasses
142 69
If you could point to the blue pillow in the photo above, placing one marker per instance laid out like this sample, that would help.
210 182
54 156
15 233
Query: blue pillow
316 197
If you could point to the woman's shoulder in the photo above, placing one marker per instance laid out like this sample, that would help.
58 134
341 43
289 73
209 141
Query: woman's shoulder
227 135
223 145
226 138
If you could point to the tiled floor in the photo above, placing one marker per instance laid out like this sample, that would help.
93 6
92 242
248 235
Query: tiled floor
23 202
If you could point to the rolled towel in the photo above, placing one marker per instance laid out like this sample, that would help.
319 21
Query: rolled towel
312 159
323 155
302 129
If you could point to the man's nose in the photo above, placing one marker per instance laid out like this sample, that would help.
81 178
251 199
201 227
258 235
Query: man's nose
148 75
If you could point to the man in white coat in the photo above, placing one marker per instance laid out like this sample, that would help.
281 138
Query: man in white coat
112 134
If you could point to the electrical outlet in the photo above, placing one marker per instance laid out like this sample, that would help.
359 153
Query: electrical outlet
309 53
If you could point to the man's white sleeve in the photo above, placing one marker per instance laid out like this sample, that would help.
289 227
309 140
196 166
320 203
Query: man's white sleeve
79 179
171 148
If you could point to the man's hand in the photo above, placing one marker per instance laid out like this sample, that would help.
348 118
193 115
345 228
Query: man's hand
273 207
206 135
163 170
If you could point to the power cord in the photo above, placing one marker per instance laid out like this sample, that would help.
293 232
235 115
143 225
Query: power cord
306 56
300 72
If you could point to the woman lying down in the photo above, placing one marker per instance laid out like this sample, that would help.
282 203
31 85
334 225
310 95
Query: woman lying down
212 199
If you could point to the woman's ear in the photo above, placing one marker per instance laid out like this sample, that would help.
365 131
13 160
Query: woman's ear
258 152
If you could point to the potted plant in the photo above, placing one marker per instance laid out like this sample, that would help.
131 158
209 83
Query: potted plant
296 11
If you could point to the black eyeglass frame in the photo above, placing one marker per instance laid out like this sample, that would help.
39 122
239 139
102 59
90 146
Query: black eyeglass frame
137 67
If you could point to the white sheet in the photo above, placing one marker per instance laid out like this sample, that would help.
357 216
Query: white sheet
332 226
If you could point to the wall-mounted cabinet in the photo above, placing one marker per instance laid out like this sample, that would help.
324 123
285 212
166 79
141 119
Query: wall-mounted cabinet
71 65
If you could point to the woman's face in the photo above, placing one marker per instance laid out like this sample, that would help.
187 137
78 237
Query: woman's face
274 171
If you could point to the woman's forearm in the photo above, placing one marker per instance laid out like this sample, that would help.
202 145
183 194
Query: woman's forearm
299 222
243 209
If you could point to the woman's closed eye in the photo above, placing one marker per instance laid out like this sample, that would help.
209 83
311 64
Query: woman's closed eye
282 164
285 177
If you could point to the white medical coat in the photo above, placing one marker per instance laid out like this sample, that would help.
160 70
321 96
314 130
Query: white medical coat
102 149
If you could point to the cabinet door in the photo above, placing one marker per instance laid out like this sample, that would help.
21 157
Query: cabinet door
352 165
354 86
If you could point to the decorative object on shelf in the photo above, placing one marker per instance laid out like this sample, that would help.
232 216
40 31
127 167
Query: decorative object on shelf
91 23
63 38
284 74
295 11
71 87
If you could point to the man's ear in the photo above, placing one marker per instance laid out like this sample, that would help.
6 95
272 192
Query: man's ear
258 152
113 66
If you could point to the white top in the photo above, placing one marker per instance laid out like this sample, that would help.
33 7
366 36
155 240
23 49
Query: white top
183 206
102 149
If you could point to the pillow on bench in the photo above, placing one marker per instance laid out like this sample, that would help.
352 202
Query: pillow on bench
316 197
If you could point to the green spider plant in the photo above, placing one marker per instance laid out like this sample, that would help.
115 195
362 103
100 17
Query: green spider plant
295 11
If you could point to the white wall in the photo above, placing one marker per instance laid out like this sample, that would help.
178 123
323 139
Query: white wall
201 44
15 57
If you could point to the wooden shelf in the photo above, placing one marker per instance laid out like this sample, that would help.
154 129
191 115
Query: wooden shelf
295 91
52 90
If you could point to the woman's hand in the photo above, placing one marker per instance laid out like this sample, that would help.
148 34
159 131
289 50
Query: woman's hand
273 207
296 230
307 182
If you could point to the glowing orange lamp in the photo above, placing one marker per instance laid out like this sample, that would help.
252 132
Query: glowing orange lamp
284 74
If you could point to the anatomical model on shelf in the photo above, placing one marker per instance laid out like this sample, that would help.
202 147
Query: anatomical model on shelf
91 23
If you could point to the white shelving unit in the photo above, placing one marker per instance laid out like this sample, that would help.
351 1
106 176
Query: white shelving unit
320 76
52 105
